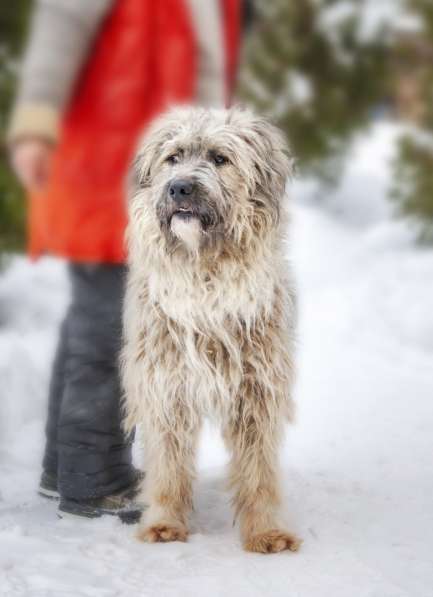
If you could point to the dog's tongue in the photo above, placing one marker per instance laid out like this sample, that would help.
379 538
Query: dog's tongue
188 230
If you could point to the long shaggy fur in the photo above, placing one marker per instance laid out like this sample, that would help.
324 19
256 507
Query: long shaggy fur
209 315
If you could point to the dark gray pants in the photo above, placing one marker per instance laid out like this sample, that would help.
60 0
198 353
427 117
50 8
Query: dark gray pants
85 445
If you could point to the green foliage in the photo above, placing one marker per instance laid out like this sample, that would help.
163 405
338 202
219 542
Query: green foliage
13 20
413 188
319 81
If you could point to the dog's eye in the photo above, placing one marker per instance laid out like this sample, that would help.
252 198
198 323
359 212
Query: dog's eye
219 159
173 159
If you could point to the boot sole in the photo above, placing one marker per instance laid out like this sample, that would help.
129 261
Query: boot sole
74 511
51 494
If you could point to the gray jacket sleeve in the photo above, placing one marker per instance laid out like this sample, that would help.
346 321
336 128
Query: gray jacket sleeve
208 26
61 34
60 39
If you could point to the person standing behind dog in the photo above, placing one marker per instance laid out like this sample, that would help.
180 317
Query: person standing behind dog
95 73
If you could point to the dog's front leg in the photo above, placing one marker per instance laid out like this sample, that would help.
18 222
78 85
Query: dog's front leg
253 435
171 446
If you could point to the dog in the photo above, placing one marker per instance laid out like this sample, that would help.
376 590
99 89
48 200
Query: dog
209 317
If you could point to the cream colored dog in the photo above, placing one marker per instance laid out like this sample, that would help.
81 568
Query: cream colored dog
209 314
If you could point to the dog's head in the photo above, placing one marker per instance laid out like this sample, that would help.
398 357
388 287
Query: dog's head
212 178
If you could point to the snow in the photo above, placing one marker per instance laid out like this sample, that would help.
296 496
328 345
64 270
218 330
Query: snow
375 16
357 465
366 177
297 91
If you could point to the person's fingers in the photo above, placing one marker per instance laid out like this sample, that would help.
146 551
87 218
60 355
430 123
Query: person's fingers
24 168
31 161
33 170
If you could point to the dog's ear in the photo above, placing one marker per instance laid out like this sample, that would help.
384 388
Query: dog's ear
150 147
133 177
148 151
272 161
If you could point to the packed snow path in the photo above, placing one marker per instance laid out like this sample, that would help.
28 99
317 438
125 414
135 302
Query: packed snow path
357 466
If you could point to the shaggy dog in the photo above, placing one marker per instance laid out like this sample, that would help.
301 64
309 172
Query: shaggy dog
209 314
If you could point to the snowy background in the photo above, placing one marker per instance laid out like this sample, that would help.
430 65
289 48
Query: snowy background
357 466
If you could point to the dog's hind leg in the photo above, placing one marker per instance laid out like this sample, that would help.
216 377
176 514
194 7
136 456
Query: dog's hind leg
171 462
253 435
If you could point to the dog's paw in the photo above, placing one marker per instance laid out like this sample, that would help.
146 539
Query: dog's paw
272 541
163 533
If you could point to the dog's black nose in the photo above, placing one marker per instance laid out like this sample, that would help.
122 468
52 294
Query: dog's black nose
180 189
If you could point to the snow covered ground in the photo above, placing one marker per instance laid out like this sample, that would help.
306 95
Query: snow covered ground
357 466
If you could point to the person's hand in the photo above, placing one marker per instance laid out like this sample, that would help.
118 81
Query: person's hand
31 161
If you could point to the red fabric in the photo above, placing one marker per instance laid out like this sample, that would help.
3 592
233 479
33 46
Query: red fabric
144 59
232 33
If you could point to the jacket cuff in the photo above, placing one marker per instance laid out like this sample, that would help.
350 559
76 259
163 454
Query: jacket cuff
34 120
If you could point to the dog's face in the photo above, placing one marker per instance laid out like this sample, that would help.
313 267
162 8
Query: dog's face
213 178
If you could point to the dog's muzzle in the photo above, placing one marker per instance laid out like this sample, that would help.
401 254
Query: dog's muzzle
182 195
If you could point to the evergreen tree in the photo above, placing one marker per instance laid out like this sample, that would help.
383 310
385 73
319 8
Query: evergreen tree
413 188
313 67
13 19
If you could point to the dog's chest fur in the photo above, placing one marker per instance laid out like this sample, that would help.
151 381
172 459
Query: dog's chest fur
201 326
206 300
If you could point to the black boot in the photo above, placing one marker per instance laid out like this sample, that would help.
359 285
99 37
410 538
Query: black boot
122 503
48 486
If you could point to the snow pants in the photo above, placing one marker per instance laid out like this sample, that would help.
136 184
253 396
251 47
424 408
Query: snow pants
85 444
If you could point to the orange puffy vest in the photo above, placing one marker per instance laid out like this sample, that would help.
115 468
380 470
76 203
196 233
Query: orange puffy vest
144 58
